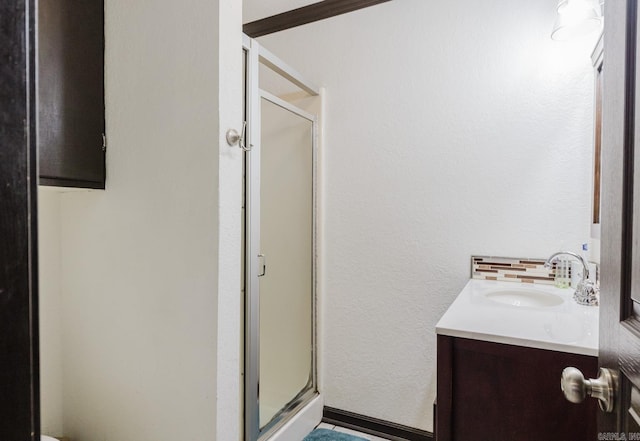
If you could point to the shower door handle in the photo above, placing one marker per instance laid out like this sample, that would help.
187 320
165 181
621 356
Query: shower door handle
264 264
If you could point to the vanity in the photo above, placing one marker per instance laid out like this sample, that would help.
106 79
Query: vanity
502 347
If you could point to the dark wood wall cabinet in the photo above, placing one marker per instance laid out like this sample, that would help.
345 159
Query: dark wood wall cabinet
71 115
491 391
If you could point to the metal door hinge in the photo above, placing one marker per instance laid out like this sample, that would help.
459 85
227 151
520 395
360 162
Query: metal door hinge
104 142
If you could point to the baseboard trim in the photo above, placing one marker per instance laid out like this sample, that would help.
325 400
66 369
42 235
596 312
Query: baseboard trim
374 426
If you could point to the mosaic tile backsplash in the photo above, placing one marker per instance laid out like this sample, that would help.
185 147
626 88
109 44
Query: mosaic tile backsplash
510 269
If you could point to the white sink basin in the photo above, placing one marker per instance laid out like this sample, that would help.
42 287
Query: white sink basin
529 315
524 298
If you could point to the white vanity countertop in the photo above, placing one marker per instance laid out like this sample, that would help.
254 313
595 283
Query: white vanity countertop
567 327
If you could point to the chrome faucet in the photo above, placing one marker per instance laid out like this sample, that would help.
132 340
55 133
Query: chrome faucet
587 292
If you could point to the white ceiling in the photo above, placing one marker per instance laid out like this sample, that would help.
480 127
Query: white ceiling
257 9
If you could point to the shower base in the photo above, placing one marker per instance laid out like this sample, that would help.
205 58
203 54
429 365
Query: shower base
302 423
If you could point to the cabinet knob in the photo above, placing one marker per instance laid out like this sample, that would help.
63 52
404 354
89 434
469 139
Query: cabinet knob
576 388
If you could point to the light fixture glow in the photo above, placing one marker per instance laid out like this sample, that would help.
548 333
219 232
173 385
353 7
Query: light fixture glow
577 18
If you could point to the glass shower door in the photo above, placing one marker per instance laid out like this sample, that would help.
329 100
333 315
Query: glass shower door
286 243
280 249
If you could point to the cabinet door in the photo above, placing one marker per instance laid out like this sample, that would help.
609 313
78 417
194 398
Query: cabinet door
71 93
492 391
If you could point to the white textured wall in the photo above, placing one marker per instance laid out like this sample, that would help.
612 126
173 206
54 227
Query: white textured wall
451 128
150 267
229 403
50 308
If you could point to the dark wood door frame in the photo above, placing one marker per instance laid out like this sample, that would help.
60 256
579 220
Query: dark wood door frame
19 377
306 14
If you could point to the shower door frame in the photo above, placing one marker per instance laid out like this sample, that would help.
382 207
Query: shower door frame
256 55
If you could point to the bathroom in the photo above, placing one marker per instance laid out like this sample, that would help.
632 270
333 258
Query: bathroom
447 130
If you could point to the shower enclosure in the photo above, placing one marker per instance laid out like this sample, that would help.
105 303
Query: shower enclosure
280 250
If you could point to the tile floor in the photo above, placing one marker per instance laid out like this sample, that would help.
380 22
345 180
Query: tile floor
350 432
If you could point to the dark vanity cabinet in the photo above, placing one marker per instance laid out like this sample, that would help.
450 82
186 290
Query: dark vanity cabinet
490 391
71 115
